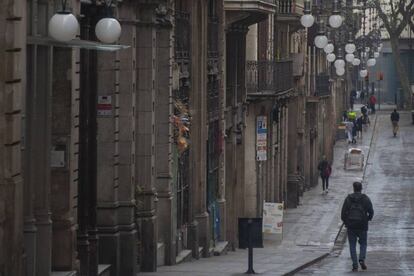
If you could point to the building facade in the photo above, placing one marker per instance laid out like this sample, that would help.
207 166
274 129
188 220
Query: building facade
121 158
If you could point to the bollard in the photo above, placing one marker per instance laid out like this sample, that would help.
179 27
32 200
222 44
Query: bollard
250 269
412 116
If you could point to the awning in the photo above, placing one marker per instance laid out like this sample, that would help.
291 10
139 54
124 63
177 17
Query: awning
76 43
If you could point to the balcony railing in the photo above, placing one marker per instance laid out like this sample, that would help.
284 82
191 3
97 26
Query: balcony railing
269 77
261 6
290 7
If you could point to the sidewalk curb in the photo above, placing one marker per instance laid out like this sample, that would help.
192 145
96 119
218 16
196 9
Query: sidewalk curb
305 265
341 228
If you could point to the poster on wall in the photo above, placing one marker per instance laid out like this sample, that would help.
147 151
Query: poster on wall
272 218
261 138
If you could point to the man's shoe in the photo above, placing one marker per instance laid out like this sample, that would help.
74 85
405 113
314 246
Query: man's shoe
363 265
327 190
354 269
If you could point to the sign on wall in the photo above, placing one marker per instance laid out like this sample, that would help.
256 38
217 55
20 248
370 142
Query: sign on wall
272 218
104 107
261 138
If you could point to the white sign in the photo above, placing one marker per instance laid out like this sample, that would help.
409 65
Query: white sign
261 138
272 218
104 107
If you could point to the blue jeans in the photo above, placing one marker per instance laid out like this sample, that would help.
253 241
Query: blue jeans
361 236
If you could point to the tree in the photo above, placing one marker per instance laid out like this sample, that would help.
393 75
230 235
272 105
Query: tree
395 16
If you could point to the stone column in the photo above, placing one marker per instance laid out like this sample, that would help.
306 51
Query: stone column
164 134
222 203
144 141
64 146
12 85
198 132
37 152
125 90
108 156
235 94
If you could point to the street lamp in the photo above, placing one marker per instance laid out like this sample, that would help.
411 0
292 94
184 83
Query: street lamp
330 57
108 30
307 18
335 20
329 48
63 26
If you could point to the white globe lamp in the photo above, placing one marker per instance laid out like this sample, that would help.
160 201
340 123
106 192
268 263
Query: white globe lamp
63 26
329 48
321 41
307 20
356 62
108 30
349 57
340 71
350 48
339 63
363 73
335 21
371 62
330 57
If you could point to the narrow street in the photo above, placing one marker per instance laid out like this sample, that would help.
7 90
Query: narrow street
390 185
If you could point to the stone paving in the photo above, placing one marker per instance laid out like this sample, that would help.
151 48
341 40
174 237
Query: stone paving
390 177
309 230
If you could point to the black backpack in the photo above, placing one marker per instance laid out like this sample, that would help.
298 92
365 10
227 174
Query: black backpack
357 216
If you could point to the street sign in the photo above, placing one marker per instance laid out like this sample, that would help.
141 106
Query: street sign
261 138
104 107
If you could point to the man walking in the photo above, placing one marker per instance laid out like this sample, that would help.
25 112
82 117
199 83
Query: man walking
395 118
325 171
356 212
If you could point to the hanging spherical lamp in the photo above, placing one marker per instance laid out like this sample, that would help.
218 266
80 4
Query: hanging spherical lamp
349 57
363 73
371 62
63 26
329 48
350 48
339 63
321 41
330 57
108 30
356 62
307 20
340 71
335 21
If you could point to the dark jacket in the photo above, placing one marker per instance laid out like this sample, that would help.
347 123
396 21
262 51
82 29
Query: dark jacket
322 168
366 204
395 117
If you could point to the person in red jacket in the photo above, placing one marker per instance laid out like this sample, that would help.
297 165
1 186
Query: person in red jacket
372 103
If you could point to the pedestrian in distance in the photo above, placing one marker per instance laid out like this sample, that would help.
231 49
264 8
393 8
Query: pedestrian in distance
325 171
354 131
349 125
359 122
356 212
395 118
372 103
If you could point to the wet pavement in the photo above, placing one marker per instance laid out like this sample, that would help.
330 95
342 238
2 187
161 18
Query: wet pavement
309 230
390 185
